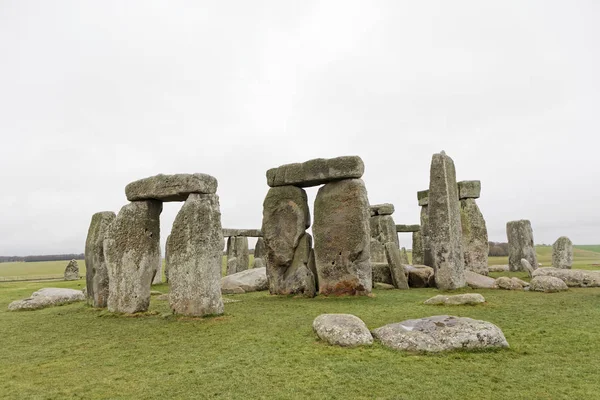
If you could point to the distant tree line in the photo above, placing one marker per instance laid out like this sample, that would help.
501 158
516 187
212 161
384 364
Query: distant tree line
51 257
498 249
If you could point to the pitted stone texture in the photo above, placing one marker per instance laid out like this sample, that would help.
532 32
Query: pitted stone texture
382 209
423 198
398 272
477 281
527 267
420 276
507 283
316 172
456 300
259 263
170 187
377 251
408 228
381 272
469 190
195 259
520 244
440 333
132 251
572 277
344 330
237 248
417 248
251 280
342 238
562 253
445 230
259 248
475 237
47 297
427 256
547 284
242 232
497 268
383 229
297 279
72 271
96 272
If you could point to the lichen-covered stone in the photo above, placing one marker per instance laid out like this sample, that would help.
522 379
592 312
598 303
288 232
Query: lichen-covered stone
408 228
404 256
342 330
381 272
132 251
427 256
475 237
72 271
527 267
469 190
382 209
342 238
237 248
423 198
242 232
547 284
170 187
420 276
298 278
96 271
316 172
251 280
383 229
445 230
377 251
520 244
417 248
572 277
507 283
158 271
259 249
456 300
397 270
47 297
562 253
477 281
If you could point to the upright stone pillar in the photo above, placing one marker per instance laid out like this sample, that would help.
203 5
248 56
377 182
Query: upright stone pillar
417 248
562 253
132 251
195 252
474 230
342 238
96 275
285 219
383 230
445 230
259 253
158 271
167 251
423 197
520 244
237 247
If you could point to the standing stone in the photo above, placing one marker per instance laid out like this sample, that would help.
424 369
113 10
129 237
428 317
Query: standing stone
286 217
195 257
423 197
237 247
132 251
562 253
167 251
96 272
342 238
377 250
397 269
520 244
259 248
475 237
404 256
383 229
417 248
158 271
445 229
72 271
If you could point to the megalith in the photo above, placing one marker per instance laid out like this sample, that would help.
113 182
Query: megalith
398 272
445 230
383 230
237 247
417 248
96 272
259 251
195 251
167 251
423 198
474 229
286 217
520 244
562 253
158 271
132 251
72 271
342 238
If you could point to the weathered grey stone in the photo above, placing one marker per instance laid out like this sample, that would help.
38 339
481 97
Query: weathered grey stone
477 281
342 238
251 280
342 330
404 256
420 276
520 244
572 277
383 229
440 333
96 272
377 251
497 268
507 283
562 253
195 259
423 197
242 232
158 271
167 251
170 187
382 209
47 297
445 230
456 300
259 263
469 190
72 271
547 284
527 267
382 286
298 278
427 256
475 237
417 248
316 172
312 267
381 272
259 249
237 248
397 269
408 228
132 251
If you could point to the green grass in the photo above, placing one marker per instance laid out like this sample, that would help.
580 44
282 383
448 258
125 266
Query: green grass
590 247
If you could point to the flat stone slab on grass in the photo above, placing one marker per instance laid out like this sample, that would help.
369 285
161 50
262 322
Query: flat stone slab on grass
316 172
170 187
572 277
497 268
456 300
250 280
344 330
382 286
441 333
506 283
478 281
47 297
547 284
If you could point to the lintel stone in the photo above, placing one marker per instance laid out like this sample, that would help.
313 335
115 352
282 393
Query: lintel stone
170 187
423 197
316 172
382 209
469 190
408 228
242 232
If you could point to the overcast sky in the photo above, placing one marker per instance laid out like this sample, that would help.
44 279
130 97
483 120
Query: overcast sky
96 94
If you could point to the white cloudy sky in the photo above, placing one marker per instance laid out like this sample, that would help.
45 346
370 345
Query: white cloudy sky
95 94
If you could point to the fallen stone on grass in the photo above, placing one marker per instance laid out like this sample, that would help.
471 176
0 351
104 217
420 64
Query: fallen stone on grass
478 281
497 268
47 297
382 286
548 284
420 276
441 333
506 283
456 300
250 280
572 277
342 330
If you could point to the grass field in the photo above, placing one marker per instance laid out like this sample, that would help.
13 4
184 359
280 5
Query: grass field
264 347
